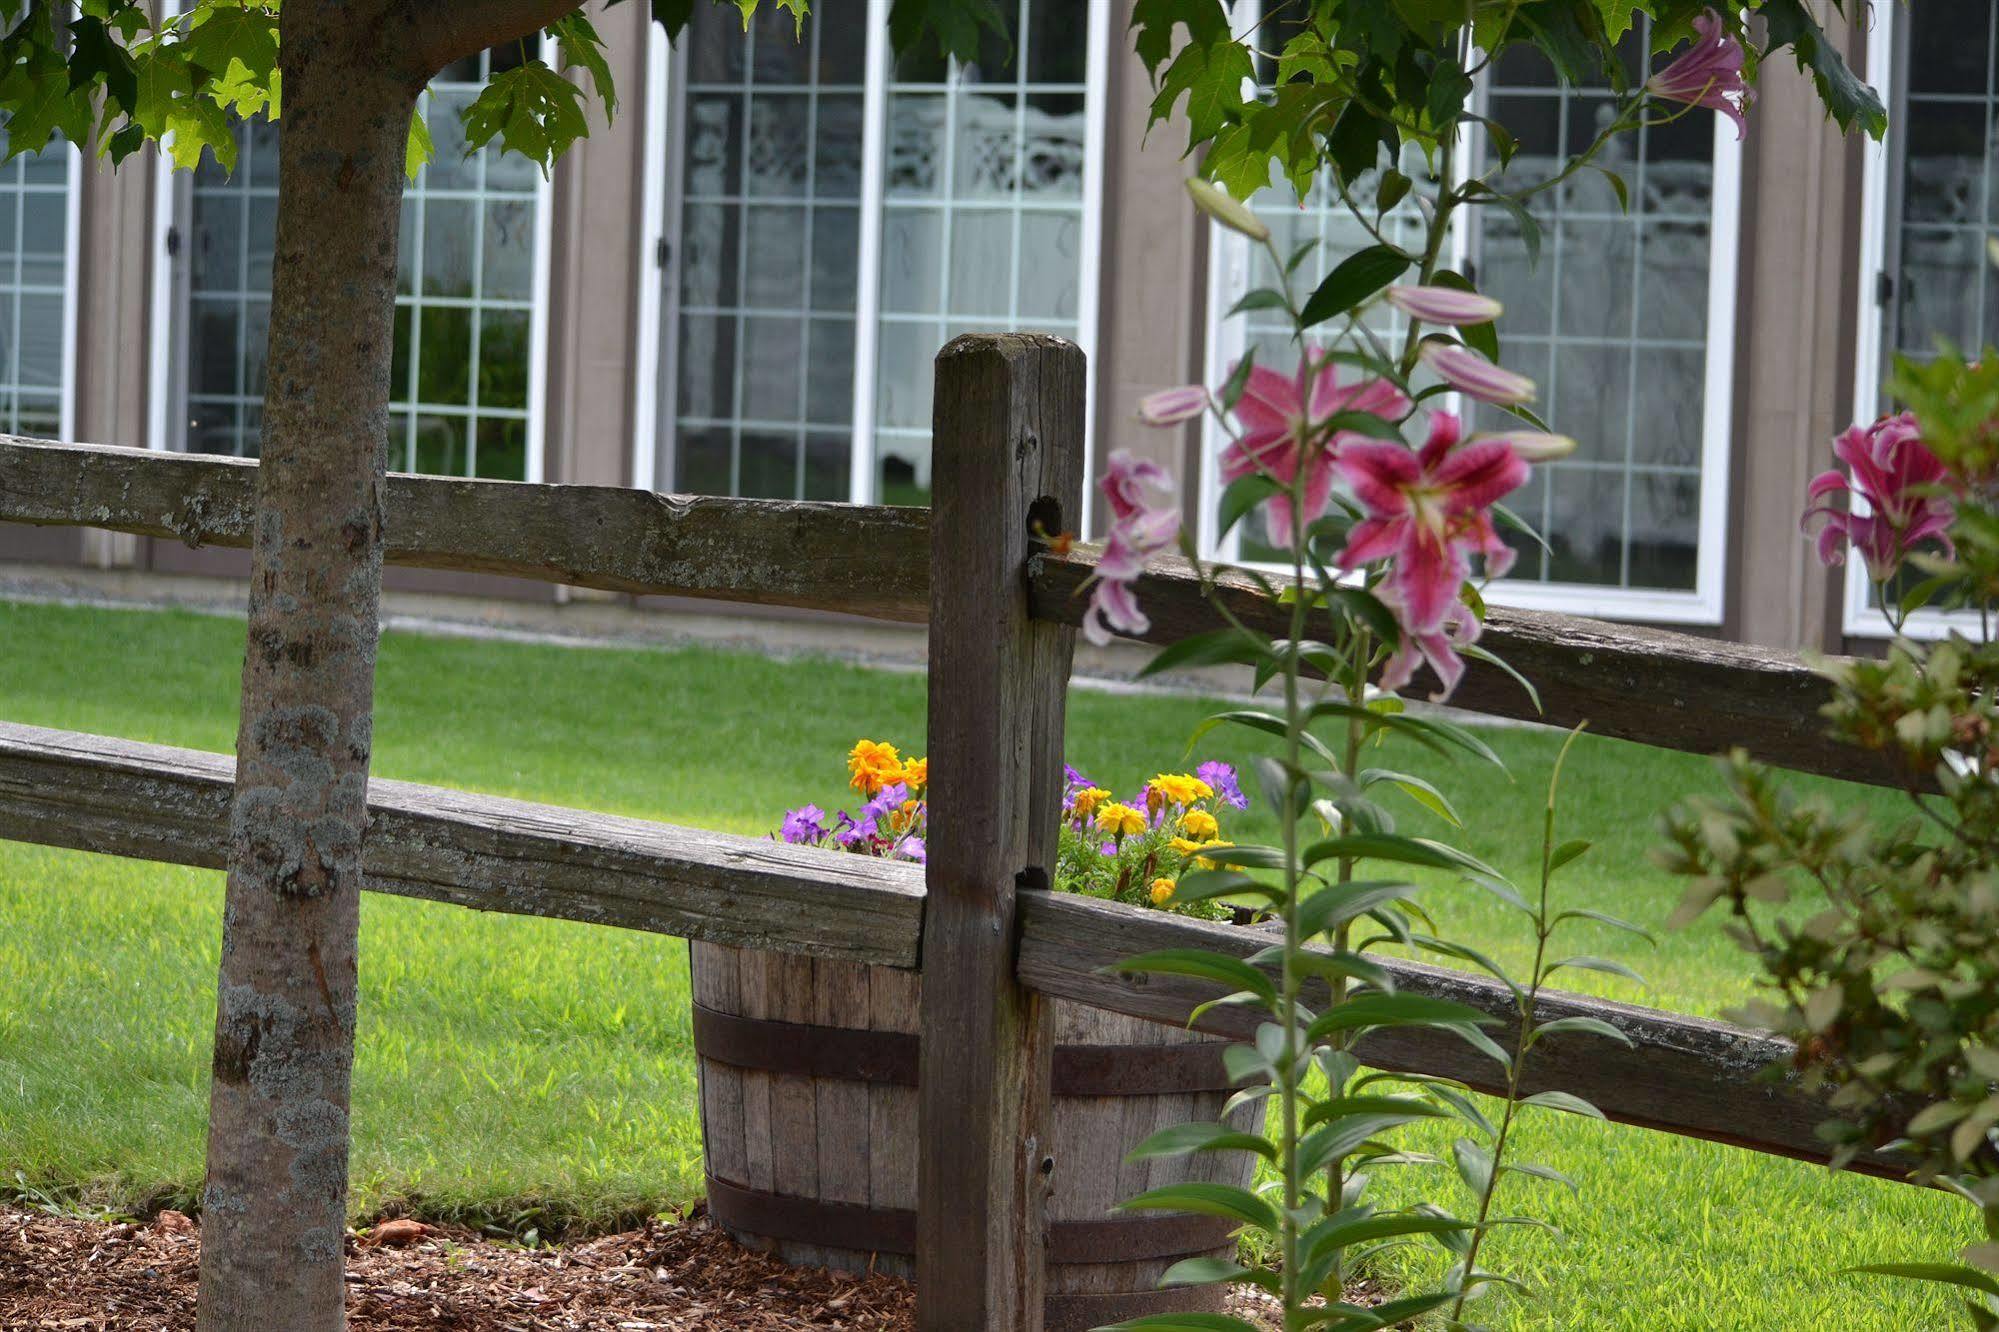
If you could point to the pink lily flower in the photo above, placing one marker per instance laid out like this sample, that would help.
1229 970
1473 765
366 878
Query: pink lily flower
1139 531
1898 477
1428 512
1470 373
1281 419
1126 480
1169 407
1708 73
1445 305
1437 649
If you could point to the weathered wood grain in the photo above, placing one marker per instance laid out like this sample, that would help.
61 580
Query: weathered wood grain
865 560
1689 1076
154 802
1653 686
1008 457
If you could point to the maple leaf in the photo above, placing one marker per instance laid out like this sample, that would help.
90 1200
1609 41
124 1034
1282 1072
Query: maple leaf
1211 77
419 151
955 25
1206 21
219 37
1845 95
195 123
1618 16
164 81
531 109
41 105
580 46
94 56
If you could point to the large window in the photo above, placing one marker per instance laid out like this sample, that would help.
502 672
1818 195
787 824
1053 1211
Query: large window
38 292
828 220
1929 213
1613 323
468 331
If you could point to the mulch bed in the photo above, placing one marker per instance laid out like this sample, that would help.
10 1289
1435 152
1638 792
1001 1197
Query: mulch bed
64 1272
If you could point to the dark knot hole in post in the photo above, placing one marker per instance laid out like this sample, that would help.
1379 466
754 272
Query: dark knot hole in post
1044 519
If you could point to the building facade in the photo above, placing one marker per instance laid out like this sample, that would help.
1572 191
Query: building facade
738 288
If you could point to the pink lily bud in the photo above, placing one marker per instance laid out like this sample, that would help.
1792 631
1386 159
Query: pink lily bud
1169 407
1470 373
1444 305
1531 445
1708 73
1226 209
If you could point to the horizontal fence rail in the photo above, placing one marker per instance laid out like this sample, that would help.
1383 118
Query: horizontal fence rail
840 557
1689 1076
156 802
1659 688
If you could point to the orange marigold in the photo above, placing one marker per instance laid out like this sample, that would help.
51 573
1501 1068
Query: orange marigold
873 764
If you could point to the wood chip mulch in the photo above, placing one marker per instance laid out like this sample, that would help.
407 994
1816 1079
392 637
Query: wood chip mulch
66 1272
62 1272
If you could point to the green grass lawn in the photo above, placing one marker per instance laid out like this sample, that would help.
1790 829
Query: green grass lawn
537 1074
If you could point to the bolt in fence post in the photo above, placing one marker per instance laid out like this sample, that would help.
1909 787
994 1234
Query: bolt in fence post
1007 454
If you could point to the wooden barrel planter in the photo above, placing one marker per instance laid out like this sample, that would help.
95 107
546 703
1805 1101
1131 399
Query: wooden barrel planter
808 1117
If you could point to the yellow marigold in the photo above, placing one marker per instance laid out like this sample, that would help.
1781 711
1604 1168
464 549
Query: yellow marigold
1161 890
1184 845
1199 823
873 764
900 820
915 774
1120 820
1206 862
1177 789
1087 800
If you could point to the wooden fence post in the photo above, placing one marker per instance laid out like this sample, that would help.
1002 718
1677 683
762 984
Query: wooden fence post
1007 454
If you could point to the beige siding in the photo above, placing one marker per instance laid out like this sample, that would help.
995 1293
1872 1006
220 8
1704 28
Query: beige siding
595 271
1152 330
1801 184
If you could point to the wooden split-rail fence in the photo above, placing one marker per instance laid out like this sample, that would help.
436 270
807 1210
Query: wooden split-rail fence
991 943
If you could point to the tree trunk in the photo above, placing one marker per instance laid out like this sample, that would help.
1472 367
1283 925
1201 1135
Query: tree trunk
274 1209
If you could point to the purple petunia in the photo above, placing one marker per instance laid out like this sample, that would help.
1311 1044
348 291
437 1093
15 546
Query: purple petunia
850 833
1221 776
912 848
886 802
805 826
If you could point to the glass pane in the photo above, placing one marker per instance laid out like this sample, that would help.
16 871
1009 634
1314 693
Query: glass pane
1944 283
985 224
751 362
1585 525
1612 322
34 264
465 267
1665 530
703 459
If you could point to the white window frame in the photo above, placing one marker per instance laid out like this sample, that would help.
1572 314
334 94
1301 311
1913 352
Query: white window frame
659 295
71 294
166 375
1229 271
1859 617
71 291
